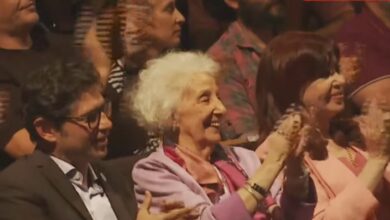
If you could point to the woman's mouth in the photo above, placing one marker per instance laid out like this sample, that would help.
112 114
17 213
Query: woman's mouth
337 96
212 122
215 124
30 6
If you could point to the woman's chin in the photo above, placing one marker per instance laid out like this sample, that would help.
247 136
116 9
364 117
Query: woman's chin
214 139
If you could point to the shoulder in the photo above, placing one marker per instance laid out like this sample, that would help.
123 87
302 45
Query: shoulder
17 170
154 165
21 175
224 46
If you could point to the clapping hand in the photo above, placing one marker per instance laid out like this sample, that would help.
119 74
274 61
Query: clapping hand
286 132
374 124
169 210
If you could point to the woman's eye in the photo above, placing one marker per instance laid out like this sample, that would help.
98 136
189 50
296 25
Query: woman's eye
204 99
170 8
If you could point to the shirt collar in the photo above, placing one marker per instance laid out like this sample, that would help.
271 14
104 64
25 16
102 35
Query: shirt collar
73 174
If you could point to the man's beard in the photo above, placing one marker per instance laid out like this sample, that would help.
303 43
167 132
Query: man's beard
256 15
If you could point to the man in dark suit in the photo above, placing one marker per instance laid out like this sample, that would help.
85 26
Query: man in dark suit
68 118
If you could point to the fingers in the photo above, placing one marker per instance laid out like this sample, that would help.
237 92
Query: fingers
293 112
144 208
166 206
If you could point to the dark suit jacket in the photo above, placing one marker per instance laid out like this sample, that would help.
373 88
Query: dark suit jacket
35 188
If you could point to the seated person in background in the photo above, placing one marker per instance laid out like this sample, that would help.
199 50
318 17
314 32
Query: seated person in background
119 40
301 68
324 18
368 36
177 97
203 16
66 114
24 47
239 51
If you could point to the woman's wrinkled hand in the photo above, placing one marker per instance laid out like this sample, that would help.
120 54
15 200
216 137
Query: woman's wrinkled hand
285 136
170 210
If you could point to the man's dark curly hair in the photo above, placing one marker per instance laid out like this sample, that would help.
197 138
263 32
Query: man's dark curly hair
52 91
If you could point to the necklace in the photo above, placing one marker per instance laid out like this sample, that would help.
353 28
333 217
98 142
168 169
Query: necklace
351 156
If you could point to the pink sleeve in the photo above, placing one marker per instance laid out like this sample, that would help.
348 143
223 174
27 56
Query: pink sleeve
356 202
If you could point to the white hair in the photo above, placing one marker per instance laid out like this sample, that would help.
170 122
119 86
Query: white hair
162 84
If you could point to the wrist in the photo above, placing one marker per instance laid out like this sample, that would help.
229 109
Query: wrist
276 156
295 172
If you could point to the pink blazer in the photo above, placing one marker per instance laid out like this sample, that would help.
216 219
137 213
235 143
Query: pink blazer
340 194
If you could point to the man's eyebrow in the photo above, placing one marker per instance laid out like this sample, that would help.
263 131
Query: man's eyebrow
93 110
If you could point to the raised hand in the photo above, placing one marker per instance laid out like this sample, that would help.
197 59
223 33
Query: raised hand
286 131
374 124
170 211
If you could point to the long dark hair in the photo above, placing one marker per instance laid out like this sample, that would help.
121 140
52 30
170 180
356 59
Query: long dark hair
290 62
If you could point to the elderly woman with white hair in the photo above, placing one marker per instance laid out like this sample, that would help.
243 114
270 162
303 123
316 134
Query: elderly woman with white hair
177 97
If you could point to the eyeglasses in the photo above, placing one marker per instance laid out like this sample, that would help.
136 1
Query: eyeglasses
93 118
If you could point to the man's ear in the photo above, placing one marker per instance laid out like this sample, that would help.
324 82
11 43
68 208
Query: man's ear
232 4
46 129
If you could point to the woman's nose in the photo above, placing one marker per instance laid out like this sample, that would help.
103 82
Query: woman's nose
220 107
338 80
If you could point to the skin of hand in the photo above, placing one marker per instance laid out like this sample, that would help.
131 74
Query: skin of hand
311 142
375 126
172 211
281 143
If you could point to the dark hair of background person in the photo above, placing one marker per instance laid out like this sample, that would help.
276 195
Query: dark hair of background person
51 91
219 10
58 16
290 62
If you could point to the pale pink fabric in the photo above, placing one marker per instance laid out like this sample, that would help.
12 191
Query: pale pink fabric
340 194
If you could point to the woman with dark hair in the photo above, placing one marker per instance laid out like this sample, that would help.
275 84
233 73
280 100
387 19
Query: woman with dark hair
286 66
301 68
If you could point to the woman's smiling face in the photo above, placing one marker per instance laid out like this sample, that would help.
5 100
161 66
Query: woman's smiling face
326 95
199 112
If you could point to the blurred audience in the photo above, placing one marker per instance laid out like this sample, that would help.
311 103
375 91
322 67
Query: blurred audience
301 68
177 96
324 18
59 16
25 45
214 17
367 36
121 38
202 16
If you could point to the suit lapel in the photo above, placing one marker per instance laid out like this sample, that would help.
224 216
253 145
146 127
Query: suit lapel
60 182
116 201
